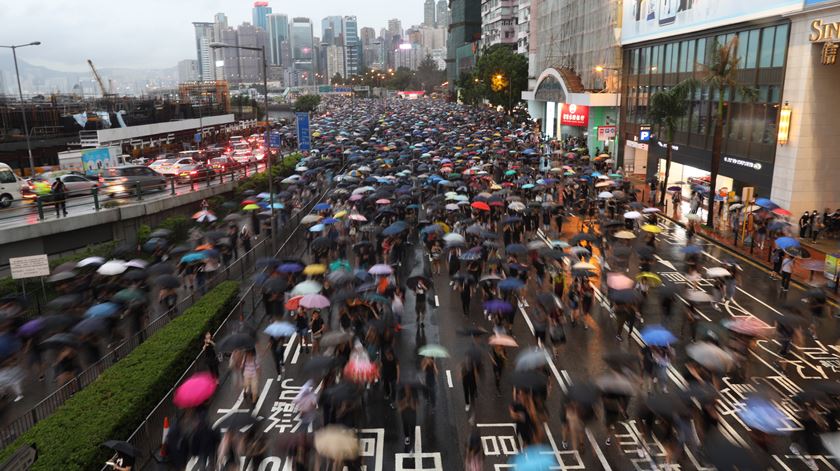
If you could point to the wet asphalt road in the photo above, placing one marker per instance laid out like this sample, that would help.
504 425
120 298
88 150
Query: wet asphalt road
438 440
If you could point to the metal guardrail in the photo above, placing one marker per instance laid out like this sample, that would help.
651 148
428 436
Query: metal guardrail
236 269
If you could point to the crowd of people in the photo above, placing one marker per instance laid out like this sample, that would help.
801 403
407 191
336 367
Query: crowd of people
504 220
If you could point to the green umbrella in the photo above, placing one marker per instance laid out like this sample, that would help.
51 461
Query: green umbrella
250 207
510 172
433 351
129 295
340 265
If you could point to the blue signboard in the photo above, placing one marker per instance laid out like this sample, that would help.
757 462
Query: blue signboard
197 137
275 140
304 136
644 133
95 160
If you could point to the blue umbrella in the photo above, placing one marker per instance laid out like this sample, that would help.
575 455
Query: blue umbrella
278 205
516 249
329 221
497 305
766 203
102 310
692 249
657 336
322 207
785 243
761 414
395 228
280 329
290 268
470 256
317 228
9 345
510 284
528 151
193 257
535 458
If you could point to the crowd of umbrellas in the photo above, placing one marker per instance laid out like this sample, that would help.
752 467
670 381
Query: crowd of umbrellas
491 207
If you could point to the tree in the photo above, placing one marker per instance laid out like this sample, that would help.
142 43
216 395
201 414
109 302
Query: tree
337 79
307 103
403 79
470 89
508 69
428 74
721 76
665 110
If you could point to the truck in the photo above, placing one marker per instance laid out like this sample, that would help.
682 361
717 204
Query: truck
91 161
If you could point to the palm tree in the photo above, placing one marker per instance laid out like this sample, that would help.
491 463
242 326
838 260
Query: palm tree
721 76
666 108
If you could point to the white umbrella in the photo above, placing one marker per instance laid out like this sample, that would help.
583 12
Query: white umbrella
651 210
453 237
310 218
517 206
112 267
717 272
624 235
697 296
90 261
605 195
632 215
583 266
137 263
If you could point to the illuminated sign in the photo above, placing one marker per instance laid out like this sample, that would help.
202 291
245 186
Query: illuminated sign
574 115
644 133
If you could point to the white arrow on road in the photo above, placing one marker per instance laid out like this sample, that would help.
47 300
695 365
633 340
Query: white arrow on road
665 262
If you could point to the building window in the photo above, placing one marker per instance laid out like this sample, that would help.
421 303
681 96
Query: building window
766 53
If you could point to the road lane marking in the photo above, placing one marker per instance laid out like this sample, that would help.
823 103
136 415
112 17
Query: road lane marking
263 395
449 378
297 352
598 451
437 301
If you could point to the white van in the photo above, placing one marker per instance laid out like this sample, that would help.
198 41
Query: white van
10 186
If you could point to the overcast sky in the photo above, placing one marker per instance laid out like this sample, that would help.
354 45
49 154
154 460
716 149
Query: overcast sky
154 33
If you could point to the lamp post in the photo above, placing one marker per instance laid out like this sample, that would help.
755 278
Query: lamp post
601 69
501 78
22 107
261 49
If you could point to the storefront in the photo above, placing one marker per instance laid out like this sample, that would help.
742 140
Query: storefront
576 113
663 47
807 170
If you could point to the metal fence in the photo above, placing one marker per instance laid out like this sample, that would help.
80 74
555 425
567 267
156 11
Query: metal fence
238 269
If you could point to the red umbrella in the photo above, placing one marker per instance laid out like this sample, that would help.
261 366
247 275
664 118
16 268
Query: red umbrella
293 303
195 391
782 212
248 201
481 206
360 370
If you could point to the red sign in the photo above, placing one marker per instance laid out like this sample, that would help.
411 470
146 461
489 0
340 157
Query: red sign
574 115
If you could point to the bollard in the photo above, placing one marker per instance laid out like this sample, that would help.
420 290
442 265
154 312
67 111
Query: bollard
222 176
192 184
172 184
40 205
138 190
209 179
95 192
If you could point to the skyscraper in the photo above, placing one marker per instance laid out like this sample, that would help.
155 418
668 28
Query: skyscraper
442 14
367 35
395 27
278 35
259 13
204 55
332 30
220 24
300 32
352 46
429 13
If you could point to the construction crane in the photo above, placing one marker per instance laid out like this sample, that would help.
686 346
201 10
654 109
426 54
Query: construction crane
105 92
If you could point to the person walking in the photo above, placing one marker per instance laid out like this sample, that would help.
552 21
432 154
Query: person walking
787 271
420 302
59 194
430 372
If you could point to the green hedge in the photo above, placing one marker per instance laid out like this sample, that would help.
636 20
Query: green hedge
281 168
117 402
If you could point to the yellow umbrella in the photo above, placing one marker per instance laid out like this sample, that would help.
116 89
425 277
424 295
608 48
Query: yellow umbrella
340 214
444 226
651 228
648 278
625 235
315 269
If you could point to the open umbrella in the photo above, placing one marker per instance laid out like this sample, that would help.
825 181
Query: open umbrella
710 356
626 235
651 229
531 358
333 338
195 391
620 281
106 309
502 341
124 448
761 414
236 341
717 272
337 443
306 287
658 336
314 301
280 329
380 269
433 351
747 325
315 269
112 268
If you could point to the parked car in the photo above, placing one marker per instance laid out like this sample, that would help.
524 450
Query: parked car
124 180
195 172
224 164
77 184
171 166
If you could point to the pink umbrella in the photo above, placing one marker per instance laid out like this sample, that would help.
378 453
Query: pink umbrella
361 371
383 201
356 197
195 391
380 269
357 217
620 281
750 326
314 301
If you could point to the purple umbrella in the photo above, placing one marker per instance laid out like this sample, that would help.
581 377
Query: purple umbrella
290 268
380 269
31 328
314 301
497 305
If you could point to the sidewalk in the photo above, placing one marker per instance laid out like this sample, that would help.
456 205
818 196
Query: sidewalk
722 236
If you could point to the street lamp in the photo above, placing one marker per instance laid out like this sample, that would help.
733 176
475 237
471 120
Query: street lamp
601 69
217 45
501 79
22 107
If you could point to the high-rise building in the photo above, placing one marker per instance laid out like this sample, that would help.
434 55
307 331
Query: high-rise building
352 46
409 56
187 71
278 35
523 26
303 54
332 30
464 30
395 27
250 62
429 13
220 23
442 20
259 15
498 22
367 35
204 55
334 61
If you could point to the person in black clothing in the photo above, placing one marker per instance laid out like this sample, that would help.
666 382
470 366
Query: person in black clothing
58 191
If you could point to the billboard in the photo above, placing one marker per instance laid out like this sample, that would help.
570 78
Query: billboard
644 20
304 136
95 160
574 115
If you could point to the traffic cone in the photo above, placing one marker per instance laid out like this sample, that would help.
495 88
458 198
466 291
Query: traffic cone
163 451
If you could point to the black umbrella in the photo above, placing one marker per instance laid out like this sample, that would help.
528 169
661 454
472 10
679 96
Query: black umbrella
528 380
160 268
64 302
318 365
135 275
798 252
61 341
583 393
666 405
62 276
625 296
90 325
726 456
413 281
583 236
167 281
160 233
321 243
238 341
275 285
124 448
237 421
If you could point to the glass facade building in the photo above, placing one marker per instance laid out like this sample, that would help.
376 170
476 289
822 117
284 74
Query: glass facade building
751 127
